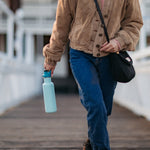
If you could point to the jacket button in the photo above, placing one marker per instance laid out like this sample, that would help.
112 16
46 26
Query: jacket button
98 54
95 30
97 45
100 34
105 16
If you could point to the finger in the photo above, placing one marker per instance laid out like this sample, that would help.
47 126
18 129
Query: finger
104 44
52 71
111 47
106 47
47 68
110 50
44 66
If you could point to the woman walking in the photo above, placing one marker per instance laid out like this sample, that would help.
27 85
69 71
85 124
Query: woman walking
79 22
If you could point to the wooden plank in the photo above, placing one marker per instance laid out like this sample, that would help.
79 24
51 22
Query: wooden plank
28 127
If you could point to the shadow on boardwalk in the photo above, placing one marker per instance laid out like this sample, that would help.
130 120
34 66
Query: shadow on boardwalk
28 127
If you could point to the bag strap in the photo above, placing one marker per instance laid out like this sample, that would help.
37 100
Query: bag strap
102 20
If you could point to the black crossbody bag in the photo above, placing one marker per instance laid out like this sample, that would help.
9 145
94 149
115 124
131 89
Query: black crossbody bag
121 63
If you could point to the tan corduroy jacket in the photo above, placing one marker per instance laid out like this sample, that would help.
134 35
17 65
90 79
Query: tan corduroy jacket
78 21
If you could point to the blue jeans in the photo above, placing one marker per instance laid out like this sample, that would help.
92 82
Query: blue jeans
96 89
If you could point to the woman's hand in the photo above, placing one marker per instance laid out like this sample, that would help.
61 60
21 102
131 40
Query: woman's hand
49 67
112 47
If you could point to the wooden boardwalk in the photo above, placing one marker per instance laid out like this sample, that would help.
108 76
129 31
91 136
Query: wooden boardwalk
28 127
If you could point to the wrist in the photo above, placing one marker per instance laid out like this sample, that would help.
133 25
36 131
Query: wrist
118 44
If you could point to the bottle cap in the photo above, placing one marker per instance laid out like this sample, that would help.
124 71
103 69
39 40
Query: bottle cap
47 74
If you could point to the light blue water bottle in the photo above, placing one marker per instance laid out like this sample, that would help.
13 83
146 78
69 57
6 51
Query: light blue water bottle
49 93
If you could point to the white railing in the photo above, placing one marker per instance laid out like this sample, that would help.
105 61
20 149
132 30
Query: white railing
33 20
145 32
7 26
135 95
20 75
36 21
19 80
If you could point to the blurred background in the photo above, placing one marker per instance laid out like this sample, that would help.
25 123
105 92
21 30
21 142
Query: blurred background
26 26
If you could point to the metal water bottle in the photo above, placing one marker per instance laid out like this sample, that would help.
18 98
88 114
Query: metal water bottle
49 93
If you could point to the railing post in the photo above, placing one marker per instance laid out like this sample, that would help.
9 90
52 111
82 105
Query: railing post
9 29
29 48
19 44
19 36
143 39
10 36
143 36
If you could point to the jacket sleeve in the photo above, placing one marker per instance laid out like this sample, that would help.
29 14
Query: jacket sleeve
129 33
61 28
